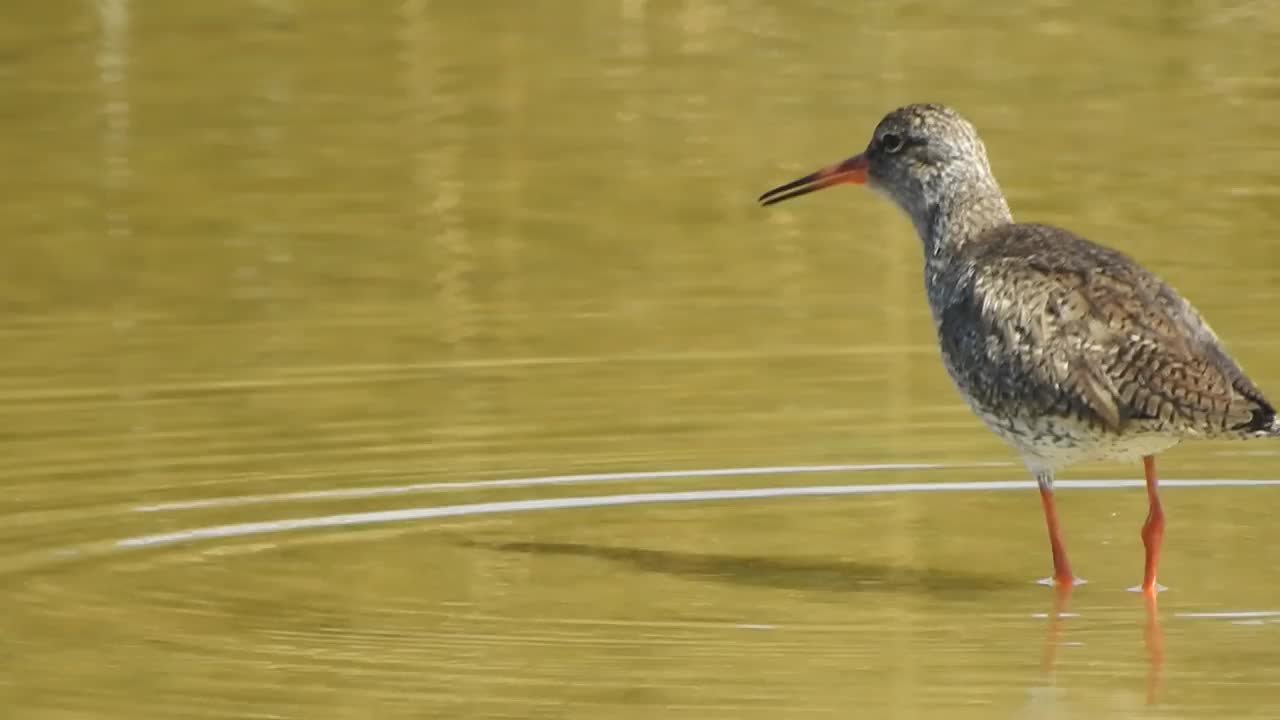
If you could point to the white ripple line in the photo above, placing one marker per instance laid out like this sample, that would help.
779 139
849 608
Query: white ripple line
1230 615
512 506
342 493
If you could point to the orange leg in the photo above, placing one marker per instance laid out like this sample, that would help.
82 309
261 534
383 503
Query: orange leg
1153 528
1062 576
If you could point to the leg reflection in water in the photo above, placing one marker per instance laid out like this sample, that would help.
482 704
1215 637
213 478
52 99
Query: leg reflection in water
1153 639
1053 638
1153 636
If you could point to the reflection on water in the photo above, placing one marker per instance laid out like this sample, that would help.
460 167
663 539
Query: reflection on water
783 573
322 267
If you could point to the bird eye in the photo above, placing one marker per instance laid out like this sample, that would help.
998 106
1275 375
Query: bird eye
891 143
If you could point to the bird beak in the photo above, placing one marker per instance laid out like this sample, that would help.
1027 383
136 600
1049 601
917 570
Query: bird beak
853 170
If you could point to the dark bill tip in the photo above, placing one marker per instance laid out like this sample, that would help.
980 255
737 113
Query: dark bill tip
853 170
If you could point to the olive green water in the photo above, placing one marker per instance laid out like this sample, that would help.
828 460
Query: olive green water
284 261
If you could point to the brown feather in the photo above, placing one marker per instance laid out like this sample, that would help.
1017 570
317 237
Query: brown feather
1097 337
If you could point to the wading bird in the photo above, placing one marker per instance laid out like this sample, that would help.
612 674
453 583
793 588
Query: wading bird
1068 350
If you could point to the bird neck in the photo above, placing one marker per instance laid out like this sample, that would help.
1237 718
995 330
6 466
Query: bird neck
957 218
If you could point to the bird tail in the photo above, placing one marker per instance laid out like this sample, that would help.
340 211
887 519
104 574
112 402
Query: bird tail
1264 424
1262 420
1273 430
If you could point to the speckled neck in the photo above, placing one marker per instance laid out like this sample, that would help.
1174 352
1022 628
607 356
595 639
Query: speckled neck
956 218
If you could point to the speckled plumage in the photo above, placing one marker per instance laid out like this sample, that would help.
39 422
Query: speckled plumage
1071 351
1068 350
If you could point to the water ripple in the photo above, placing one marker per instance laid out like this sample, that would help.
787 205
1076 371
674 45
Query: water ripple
349 493
513 506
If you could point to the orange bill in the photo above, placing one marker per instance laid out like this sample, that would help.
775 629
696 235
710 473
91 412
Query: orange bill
853 170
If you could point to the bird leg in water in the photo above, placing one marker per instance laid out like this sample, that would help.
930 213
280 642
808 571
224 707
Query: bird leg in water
1153 528
1062 576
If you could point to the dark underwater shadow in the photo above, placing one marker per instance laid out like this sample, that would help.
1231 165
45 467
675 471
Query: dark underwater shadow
785 573
847 576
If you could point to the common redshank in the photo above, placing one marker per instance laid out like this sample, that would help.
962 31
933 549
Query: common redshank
1068 350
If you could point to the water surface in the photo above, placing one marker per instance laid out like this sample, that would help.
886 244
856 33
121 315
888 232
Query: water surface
271 261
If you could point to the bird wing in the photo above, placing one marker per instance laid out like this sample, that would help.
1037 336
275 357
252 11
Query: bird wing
1099 337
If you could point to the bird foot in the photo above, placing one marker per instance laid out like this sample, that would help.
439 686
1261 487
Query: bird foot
1158 588
1063 582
